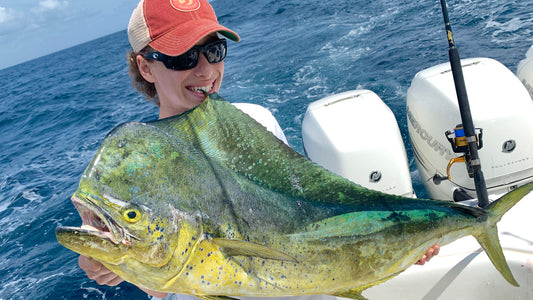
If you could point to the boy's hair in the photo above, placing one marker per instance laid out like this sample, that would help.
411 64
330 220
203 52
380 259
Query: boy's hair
137 80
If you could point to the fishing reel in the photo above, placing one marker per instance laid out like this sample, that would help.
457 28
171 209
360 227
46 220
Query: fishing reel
459 144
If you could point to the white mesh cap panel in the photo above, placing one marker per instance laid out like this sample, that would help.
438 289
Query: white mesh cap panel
138 32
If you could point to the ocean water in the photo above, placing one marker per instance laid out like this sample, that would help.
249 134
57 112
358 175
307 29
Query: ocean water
55 110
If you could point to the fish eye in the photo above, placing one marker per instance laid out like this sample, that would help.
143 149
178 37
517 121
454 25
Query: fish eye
132 215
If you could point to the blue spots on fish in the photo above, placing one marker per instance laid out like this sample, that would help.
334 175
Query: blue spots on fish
188 268
156 149
132 166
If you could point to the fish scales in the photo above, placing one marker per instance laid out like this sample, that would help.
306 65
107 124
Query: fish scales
209 203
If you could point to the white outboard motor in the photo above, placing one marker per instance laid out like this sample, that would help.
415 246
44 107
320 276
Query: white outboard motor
525 71
355 135
502 112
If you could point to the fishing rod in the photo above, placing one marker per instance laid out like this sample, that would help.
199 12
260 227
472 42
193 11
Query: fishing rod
472 158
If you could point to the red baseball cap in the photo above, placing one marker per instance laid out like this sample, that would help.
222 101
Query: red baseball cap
173 26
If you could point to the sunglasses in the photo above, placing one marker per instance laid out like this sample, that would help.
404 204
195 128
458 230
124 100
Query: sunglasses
215 52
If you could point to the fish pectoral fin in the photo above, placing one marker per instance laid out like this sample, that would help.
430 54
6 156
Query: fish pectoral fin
352 294
243 248
213 297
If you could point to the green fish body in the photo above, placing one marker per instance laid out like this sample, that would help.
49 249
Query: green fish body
209 203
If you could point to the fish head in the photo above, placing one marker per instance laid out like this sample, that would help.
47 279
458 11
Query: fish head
129 200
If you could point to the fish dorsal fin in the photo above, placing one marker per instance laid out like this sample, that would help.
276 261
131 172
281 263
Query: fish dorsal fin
243 248
234 139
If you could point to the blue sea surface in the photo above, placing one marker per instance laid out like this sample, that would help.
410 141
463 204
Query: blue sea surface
55 110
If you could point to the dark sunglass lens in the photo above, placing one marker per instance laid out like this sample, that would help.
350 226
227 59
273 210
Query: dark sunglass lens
189 59
186 61
216 51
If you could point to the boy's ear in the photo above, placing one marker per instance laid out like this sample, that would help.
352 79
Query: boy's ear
145 68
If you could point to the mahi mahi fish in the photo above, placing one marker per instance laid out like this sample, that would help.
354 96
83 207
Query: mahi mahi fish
209 203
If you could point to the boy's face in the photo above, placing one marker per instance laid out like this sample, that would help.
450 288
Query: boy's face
179 91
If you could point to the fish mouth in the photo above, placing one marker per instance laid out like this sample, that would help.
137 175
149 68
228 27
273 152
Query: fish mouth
97 222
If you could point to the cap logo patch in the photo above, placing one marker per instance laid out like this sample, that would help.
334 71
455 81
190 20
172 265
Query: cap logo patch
185 5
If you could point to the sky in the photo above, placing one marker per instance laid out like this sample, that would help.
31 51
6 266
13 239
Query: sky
34 28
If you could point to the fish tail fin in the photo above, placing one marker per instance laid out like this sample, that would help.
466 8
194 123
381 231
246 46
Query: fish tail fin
489 238
491 244
499 207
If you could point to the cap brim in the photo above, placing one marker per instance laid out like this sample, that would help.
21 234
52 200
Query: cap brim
174 42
